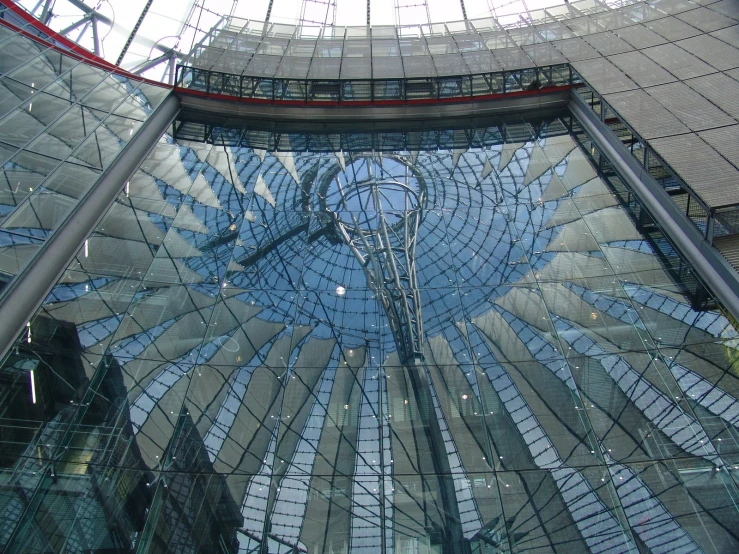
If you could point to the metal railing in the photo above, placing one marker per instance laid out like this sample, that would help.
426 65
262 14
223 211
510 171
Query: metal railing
676 265
379 138
712 222
446 88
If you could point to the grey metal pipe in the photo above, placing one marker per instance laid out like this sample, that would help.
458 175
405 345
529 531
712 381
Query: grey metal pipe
710 265
27 291
73 26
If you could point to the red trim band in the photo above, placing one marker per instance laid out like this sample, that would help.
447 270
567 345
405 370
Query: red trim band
74 50
68 48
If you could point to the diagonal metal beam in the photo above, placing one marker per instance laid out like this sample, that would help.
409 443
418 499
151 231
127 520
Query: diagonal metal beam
269 10
95 36
134 31
89 12
46 13
76 24
464 11
148 64
22 297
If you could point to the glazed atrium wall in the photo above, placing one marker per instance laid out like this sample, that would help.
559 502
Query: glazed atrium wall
481 310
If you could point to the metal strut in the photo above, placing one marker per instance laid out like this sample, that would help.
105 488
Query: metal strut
330 6
22 297
464 11
134 31
269 10
386 251
410 4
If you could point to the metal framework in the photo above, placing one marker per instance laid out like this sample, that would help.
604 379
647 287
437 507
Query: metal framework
91 18
692 242
382 237
134 31
330 8
471 86
464 11
45 12
410 4
269 11
22 297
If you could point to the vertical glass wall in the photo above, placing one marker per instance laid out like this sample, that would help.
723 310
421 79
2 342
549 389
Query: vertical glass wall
458 340
62 122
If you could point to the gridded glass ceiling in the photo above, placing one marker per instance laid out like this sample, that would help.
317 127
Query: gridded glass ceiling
458 340
136 34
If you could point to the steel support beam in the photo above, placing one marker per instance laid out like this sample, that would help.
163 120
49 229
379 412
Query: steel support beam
76 24
386 253
95 36
347 115
709 264
172 71
27 291
46 13
133 32
139 69
269 11
89 12
464 10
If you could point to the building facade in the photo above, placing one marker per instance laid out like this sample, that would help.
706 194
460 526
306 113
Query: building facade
462 289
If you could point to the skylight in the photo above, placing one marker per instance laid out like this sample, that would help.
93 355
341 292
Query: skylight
144 36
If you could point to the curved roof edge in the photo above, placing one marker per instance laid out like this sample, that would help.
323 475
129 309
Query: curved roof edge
17 19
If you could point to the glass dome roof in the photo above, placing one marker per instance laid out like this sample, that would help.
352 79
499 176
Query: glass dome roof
141 35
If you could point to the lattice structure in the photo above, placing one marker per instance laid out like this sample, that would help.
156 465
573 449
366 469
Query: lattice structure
318 12
378 219
408 11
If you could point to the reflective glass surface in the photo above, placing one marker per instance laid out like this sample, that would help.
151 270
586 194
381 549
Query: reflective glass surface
61 124
471 345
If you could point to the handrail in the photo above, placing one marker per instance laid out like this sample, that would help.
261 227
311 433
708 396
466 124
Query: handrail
713 268
462 87
606 111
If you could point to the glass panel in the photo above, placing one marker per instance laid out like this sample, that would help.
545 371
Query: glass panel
67 132
450 339
21 176
39 215
151 96
19 127
12 94
16 52
74 84
110 93
43 70
106 141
